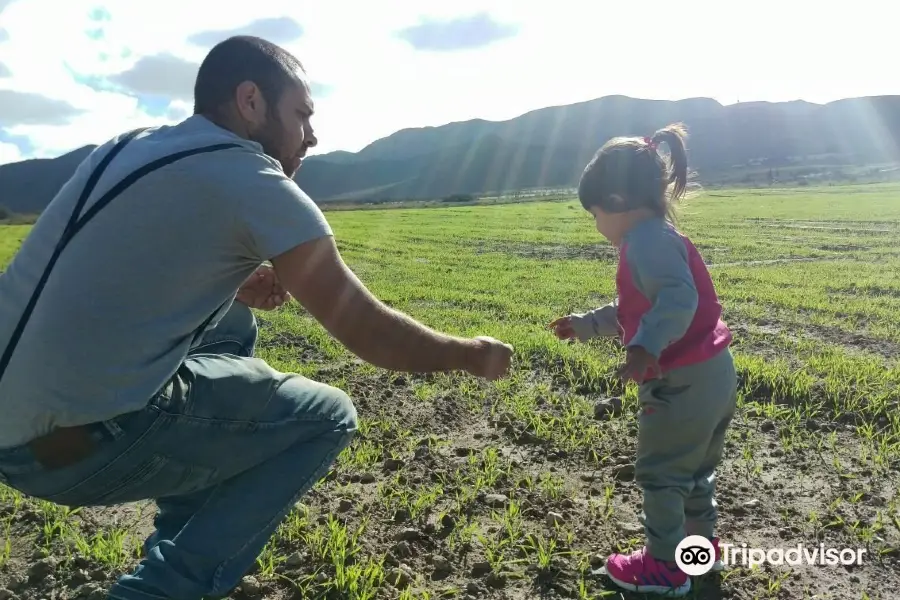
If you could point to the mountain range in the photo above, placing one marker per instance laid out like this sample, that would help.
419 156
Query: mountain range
549 147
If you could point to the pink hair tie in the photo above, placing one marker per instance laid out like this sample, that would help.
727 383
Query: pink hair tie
650 143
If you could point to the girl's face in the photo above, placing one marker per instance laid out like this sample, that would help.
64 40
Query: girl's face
614 225
609 225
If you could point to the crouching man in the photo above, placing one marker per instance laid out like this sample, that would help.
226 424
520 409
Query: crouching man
129 369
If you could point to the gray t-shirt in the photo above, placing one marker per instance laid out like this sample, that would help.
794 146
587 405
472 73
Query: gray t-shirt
118 314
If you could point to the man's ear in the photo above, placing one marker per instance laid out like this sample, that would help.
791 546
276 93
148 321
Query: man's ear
250 103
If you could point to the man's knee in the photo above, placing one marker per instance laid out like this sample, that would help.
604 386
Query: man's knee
322 401
343 409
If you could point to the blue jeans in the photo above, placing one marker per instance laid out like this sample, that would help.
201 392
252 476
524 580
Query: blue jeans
226 448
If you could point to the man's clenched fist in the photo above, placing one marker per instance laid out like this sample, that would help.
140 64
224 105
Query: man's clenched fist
489 358
262 290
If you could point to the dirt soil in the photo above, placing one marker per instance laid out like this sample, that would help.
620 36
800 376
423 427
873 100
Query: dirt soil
453 545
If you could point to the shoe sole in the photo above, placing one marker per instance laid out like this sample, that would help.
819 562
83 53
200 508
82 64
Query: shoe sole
668 592
717 567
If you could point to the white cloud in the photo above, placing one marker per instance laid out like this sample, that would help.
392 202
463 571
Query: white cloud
28 108
561 52
160 74
9 153
279 30
109 115
178 110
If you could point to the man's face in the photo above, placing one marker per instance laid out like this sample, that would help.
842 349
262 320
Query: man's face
285 133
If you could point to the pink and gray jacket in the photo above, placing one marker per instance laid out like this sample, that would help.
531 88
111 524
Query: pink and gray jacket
666 302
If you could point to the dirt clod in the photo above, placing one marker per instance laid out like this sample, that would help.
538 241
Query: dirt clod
393 464
496 580
401 515
402 549
18 582
401 576
99 574
90 591
442 565
624 472
80 576
496 500
608 408
251 587
553 519
409 535
41 569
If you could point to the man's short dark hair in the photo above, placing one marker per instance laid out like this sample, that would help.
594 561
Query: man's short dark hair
238 59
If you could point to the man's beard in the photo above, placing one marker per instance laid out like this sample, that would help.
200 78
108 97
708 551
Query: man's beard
269 137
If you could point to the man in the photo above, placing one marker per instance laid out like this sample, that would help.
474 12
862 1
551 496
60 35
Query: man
119 389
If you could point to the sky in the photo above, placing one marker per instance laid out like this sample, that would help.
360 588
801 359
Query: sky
77 72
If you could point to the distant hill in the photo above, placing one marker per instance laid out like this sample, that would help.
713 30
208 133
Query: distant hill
27 187
550 146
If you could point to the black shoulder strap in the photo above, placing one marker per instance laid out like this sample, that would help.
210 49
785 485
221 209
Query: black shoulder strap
75 223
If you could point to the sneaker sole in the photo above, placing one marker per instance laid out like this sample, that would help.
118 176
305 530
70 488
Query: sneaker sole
717 567
669 592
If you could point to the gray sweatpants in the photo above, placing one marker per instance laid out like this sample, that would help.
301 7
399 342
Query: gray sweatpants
681 437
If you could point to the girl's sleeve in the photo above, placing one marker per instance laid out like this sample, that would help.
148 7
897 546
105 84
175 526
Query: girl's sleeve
600 322
660 270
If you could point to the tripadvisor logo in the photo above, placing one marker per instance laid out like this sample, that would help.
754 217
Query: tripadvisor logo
695 555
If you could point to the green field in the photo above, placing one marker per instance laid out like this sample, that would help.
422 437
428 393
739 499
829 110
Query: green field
446 491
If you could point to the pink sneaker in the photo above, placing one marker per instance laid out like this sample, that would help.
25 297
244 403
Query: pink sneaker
640 572
718 565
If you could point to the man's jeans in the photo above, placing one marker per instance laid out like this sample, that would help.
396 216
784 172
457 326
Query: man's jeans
226 449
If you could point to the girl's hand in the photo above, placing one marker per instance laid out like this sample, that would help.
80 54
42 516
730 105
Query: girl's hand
562 328
637 363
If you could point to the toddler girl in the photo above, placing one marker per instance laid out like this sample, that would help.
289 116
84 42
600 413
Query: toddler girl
677 348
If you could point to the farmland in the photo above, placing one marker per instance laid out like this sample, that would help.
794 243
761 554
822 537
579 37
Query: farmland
458 488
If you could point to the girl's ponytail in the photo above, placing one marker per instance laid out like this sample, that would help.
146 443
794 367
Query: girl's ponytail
674 137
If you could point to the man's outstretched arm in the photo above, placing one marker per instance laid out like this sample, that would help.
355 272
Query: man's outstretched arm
317 277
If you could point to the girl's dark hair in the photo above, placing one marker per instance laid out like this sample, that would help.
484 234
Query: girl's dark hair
629 173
